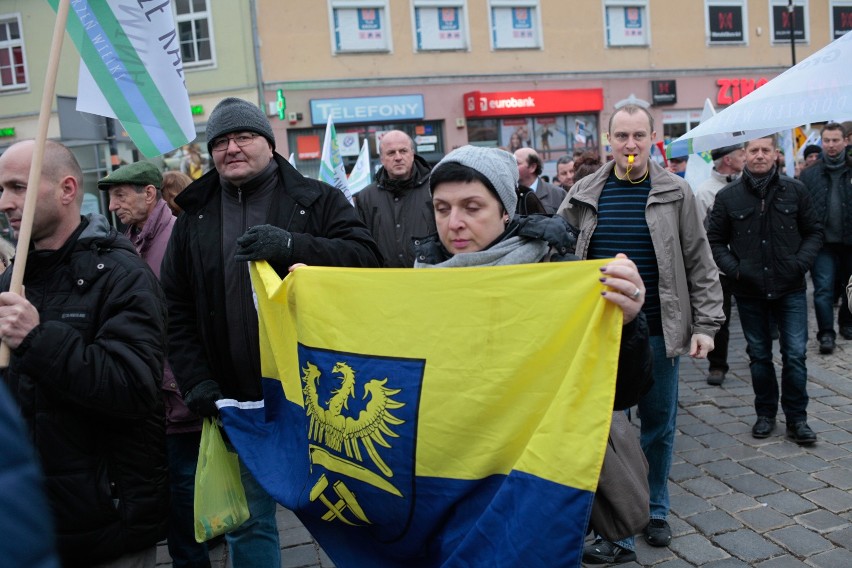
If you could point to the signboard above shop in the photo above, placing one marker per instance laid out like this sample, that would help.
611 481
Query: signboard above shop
529 103
361 110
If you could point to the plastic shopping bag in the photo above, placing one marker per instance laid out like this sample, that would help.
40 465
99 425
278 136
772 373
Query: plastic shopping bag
220 500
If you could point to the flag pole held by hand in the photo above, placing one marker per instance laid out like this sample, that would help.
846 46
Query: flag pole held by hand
34 180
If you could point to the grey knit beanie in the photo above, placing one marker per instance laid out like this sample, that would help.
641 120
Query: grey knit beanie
236 115
498 166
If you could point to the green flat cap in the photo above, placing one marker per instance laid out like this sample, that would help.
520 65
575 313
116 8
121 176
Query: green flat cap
140 173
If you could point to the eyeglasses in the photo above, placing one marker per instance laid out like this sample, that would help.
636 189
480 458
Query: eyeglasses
241 140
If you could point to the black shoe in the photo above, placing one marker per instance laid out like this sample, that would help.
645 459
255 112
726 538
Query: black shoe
715 377
605 552
846 332
801 433
658 532
826 344
763 427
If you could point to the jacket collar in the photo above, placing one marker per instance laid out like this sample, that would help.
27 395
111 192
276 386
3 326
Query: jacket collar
159 218
420 174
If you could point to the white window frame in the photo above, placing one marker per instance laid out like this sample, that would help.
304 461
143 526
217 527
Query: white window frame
742 4
831 5
11 44
534 5
644 4
383 5
191 17
807 23
464 23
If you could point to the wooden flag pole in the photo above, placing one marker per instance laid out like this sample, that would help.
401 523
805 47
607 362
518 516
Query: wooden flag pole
34 179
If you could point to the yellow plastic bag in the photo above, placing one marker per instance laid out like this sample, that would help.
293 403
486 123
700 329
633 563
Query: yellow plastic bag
220 500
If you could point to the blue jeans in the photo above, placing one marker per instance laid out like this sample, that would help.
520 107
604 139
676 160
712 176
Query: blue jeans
832 261
791 314
183 459
658 413
255 542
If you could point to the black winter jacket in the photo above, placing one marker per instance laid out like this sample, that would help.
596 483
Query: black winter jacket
818 182
635 364
87 381
395 214
326 232
765 246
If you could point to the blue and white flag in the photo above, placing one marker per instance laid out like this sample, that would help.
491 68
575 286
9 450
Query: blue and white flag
332 171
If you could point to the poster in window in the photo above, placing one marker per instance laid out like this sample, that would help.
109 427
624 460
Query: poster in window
514 28
726 24
516 133
551 140
439 28
842 20
360 29
626 26
782 20
584 128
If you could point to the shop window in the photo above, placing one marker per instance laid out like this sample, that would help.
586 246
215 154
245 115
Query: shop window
676 123
195 31
627 23
841 18
782 21
515 24
13 67
440 25
726 22
360 26
551 136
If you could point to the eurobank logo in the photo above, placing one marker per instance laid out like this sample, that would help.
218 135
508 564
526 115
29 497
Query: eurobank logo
478 104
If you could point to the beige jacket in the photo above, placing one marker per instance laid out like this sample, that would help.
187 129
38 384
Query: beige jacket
690 293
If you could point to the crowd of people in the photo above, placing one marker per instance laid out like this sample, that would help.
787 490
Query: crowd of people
123 342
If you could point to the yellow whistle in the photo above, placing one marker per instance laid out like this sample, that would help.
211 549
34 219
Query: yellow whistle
630 159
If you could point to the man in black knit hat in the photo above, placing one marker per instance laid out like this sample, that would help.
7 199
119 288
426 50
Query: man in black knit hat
252 206
765 234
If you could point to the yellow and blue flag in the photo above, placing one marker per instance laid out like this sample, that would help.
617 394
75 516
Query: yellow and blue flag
434 417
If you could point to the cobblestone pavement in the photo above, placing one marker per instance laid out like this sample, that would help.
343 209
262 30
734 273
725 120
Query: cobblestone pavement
735 501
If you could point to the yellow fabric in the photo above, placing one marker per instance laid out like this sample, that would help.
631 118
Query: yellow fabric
520 360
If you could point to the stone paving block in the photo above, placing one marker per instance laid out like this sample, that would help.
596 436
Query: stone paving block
747 545
823 521
842 538
724 468
785 561
781 448
718 440
763 519
729 562
651 555
706 487
685 443
799 481
754 485
676 563
836 476
766 465
827 451
834 416
832 401
687 505
714 522
727 402
836 558
831 498
788 503
735 502
742 411
808 463
300 556
836 437
701 456
742 452
696 549
705 412
800 541
294 537
682 471
735 428
325 561
696 429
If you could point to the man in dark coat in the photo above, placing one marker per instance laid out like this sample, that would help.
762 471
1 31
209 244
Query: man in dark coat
765 235
88 344
252 206
529 172
398 206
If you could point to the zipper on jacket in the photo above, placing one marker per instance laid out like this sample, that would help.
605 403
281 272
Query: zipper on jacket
762 205
239 195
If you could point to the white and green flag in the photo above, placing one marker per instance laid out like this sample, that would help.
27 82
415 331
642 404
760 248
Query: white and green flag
359 177
131 69
332 171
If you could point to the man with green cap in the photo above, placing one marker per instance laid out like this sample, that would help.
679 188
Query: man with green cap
135 198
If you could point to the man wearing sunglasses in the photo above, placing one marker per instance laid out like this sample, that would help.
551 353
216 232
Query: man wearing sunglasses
253 205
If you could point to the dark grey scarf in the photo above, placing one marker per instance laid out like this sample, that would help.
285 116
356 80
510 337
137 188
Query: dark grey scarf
760 184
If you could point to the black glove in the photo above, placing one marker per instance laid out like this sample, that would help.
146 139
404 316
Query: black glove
202 398
265 242
555 230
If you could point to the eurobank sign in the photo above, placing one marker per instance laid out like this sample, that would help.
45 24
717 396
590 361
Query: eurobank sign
367 109
512 103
